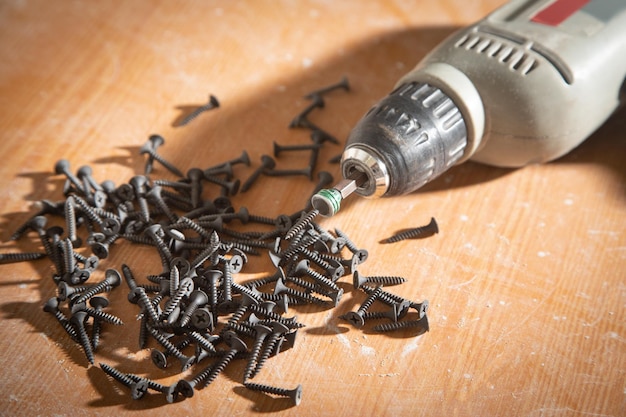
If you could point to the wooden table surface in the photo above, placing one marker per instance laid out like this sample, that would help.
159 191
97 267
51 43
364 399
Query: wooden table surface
526 278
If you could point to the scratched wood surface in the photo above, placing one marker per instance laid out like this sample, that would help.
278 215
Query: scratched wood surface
526 279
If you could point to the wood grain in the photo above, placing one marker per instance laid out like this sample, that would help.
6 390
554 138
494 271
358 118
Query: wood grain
526 279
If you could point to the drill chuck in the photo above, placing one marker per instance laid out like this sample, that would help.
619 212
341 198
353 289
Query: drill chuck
409 138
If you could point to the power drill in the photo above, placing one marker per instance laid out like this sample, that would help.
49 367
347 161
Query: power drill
524 85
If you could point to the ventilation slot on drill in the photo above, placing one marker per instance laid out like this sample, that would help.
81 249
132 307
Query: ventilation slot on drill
503 50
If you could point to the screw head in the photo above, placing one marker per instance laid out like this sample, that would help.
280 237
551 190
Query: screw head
138 389
355 319
185 388
61 166
158 358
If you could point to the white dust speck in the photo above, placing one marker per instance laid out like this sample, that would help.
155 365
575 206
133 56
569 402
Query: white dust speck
502 303
467 376
463 217
542 254
307 62
22 286
568 202
368 351
410 347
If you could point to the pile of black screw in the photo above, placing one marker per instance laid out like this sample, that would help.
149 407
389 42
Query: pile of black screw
194 307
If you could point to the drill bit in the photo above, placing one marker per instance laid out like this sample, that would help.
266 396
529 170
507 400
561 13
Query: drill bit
328 200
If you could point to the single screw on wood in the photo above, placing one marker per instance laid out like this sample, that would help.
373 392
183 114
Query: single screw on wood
358 280
421 324
212 104
294 394
267 163
12 257
417 232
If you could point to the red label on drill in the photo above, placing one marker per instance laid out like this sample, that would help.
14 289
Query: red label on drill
559 11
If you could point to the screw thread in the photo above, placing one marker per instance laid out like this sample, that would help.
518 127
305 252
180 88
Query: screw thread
84 340
265 354
116 374
303 222
104 316
254 354
203 342
317 276
194 226
385 280
168 165
268 389
388 327
369 301
166 343
21 257
348 242
247 291
67 326
176 299
220 366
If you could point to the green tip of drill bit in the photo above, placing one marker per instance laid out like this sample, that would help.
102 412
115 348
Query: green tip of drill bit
327 201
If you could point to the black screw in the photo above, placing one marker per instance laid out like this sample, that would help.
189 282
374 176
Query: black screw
358 280
62 166
243 159
150 148
261 333
112 279
361 254
307 172
294 394
78 320
342 84
52 306
278 330
196 299
421 324
138 387
267 163
417 232
356 317
301 119
278 149
212 104
210 373
6 258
